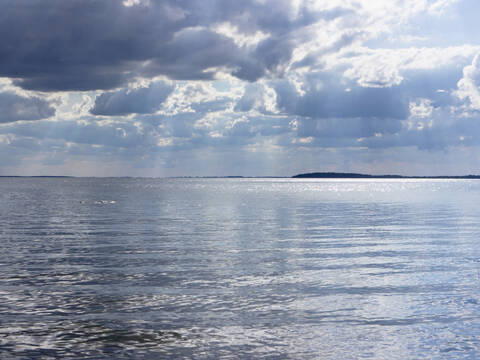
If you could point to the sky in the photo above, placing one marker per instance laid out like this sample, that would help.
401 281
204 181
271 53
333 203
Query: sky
162 88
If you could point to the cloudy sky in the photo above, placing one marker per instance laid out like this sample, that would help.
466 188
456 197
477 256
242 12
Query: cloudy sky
228 87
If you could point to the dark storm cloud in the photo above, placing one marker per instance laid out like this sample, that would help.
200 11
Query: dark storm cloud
191 53
14 107
88 80
76 45
143 100
53 45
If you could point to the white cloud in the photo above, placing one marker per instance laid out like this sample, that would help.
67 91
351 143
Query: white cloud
440 6
422 108
384 67
240 39
469 85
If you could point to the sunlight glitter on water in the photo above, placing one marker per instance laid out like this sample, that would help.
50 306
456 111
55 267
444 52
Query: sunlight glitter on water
239 268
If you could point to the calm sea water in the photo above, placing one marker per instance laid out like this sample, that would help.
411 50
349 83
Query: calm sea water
239 268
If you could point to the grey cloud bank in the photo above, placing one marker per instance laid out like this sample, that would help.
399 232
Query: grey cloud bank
142 100
15 107
85 45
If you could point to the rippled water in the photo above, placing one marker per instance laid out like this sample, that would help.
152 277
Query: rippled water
239 268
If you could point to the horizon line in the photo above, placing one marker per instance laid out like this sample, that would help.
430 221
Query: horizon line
312 175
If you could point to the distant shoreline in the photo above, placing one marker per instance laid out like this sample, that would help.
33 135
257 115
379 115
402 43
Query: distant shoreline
335 175
35 176
315 175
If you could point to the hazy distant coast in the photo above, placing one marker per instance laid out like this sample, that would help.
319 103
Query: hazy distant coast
315 175
35 176
335 175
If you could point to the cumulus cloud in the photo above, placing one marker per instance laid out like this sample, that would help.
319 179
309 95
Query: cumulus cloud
141 100
469 85
15 107
257 97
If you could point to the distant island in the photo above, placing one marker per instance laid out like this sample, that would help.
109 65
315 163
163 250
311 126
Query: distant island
335 175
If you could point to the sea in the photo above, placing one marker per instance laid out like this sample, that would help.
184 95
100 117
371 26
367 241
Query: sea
137 268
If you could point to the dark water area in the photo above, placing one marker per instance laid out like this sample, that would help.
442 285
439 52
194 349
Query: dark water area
239 268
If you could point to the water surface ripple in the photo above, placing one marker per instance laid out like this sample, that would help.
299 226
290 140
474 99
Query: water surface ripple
239 268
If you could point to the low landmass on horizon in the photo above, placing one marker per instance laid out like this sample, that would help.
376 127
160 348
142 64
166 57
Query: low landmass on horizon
314 175
335 175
